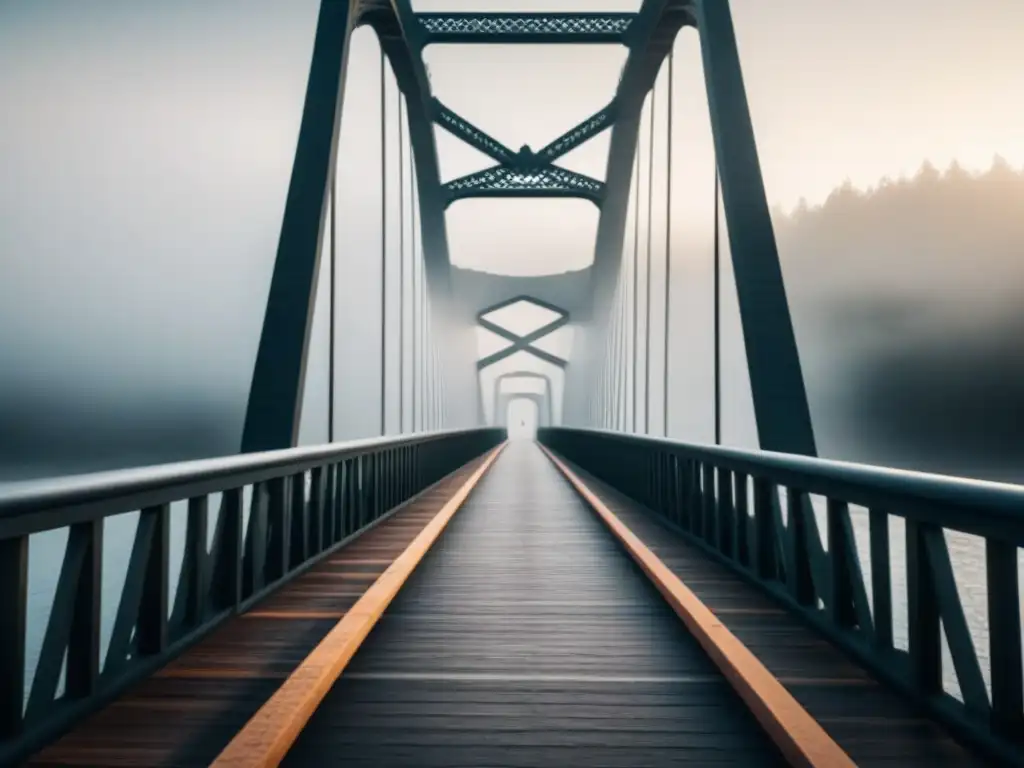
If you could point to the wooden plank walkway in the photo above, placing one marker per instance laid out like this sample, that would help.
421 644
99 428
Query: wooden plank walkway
874 725
185 714
527 638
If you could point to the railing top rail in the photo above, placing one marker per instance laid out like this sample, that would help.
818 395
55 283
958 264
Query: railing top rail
39 505
982 507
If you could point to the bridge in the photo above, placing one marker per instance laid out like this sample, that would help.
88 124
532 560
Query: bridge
442 595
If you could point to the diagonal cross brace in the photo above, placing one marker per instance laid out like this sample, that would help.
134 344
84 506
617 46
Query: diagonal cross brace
580 133
524 173
522 343
461 128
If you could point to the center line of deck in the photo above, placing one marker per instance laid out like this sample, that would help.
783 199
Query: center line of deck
485 677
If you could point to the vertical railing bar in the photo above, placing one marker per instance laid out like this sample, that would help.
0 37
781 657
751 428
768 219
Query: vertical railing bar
922 614
198 561
228 568
840 598
299 513
742 517
800 579
13 628
881 578
152 628
1004 636
83 661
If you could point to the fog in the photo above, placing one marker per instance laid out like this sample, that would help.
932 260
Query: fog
144 159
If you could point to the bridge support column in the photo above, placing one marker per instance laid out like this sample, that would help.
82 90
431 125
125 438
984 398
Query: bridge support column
776 379
275 397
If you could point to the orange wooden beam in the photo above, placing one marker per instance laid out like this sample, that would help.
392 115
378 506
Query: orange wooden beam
266 738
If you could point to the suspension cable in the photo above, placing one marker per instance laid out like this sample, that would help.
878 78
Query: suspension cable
636 279
415 284
401 265
383 251
718 327
650 226
333 278
668 248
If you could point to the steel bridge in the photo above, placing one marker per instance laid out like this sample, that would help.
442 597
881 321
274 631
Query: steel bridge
601 596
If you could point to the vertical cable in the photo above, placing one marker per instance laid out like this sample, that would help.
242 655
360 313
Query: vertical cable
668 247
415 286
718 327
383 252
333 278
636 276
621 351
650 219
401 266
424 350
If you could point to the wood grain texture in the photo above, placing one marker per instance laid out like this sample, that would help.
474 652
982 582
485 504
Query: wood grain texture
797 735
271 731
874 725
185 714
527 638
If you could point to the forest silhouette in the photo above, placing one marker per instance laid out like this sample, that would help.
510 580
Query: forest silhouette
906 302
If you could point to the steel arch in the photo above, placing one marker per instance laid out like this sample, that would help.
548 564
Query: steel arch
549 391
538 400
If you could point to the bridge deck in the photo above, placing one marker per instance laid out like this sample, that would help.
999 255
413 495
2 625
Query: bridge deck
187 713
874 725
527 637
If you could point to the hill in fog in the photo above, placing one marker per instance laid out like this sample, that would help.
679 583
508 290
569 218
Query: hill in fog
906 301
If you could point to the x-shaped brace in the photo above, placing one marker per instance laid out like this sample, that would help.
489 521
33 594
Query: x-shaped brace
522 343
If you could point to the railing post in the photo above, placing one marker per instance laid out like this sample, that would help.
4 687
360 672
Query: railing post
299 528
83 660
152 628
742 520
840 600
709 526
766 565
726 515
922 614
801 582
1004 635
881 578
192 584
232 553
13 614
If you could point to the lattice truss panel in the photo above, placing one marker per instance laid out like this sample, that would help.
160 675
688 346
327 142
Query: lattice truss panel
524 173
501 181
612 26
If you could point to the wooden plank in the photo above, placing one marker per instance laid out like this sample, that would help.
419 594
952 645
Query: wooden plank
797 735
185 714
268 735
829 685
526 637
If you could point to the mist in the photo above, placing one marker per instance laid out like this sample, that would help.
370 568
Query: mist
144 162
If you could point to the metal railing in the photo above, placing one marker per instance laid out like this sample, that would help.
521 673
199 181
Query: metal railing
754 511
280 512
